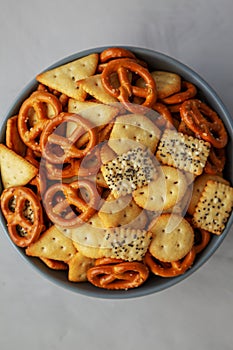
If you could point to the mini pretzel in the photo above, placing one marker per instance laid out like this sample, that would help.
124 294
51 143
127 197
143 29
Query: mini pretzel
204 122
215 161
118 275
170 269
59 149
202 238
65 205
166 119
23 214
37 101
189 92
115 52
126 91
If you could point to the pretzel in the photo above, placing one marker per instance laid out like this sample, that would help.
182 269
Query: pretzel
117 275
23 214
189 92
202 238
30 133
59 149
126 91
216 161
165 120
204 122
115 52
60 199
170 269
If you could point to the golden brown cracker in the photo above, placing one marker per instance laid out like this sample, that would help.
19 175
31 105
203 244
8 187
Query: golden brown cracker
131 131
78 267
182 151
214 207
52 244
164 192
15 170
64 77
172 239
198 187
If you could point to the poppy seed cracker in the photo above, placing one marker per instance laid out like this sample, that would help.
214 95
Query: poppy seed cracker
129 171
214 207
182 151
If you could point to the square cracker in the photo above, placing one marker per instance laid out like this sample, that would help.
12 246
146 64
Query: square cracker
131 131
15 170
52 244
214 207
183 152
64 78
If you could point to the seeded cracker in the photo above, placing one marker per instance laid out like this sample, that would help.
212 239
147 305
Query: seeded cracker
182 151
214 207
122 243
129 171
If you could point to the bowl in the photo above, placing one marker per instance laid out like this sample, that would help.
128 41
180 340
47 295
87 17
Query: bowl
154 284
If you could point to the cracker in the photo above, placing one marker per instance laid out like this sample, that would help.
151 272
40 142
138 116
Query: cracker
94 87
122 211
15 170
97 113
64 77
173 238
95 241
167 83
78 267
214 207
164 192
129 171
52 244
132 131
13 139
182 151
198 187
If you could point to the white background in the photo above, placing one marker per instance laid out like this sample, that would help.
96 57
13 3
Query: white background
198 312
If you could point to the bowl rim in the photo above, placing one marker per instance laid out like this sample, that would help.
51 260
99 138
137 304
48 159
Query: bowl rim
143 290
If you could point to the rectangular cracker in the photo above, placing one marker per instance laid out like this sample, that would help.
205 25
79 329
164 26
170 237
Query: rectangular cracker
132 131
64 77
214 207
15 170
52 244
183 152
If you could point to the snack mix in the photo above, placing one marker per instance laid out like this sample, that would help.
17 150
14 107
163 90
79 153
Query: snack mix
113 172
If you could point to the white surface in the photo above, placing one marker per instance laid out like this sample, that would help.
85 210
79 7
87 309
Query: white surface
195 314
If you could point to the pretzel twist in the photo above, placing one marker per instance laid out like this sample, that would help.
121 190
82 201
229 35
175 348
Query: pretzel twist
204 122
37 102
23 214
117 274
126 91
58 148
170 269
65 205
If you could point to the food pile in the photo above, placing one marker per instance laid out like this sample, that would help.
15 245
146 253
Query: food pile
114 172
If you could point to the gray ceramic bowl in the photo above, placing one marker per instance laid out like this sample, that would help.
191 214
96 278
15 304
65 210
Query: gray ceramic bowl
157 61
